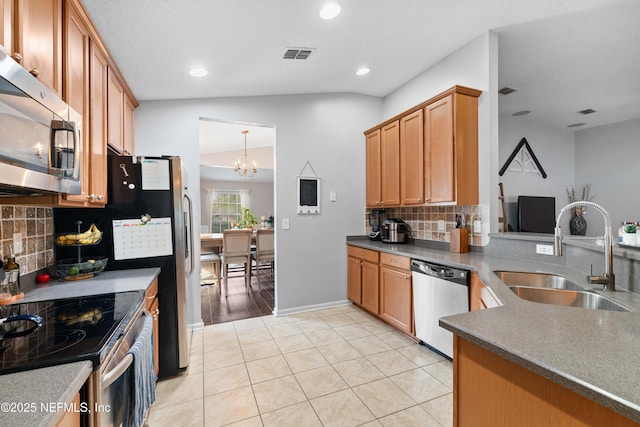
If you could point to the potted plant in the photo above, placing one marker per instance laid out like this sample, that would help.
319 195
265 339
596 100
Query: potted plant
629 236
248 219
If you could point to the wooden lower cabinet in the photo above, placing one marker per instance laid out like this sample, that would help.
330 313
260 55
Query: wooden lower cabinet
71 418
479 295
493 392
396 298
151 301
381 284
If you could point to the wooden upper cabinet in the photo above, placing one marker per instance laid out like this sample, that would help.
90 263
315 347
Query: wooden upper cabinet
412 159
374 196
115 112
98 128
37 40
76 90
128 127
451 150
6 24
390 164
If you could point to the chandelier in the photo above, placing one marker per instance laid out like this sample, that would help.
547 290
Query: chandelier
243 170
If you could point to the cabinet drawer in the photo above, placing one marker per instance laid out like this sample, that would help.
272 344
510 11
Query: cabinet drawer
396 261
363 254
151 294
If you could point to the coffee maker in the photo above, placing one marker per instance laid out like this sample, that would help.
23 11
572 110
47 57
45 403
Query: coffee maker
376 219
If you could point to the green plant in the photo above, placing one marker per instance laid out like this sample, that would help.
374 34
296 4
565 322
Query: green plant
630 228
248 219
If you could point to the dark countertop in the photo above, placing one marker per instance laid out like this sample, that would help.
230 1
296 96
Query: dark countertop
32 395
592 352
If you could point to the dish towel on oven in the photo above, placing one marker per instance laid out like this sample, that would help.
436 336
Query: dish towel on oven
143 378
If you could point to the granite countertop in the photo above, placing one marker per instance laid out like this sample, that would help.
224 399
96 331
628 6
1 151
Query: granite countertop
32 396
592 352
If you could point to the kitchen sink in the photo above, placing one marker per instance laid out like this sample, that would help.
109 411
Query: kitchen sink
566 297
538 280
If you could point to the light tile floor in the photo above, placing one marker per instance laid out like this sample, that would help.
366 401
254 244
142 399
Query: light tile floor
332 367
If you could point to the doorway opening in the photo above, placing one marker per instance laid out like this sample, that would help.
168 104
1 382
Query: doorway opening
237 169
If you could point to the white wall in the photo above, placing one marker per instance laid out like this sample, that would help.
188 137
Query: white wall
261 197
608 158
553 148
473 65
324 129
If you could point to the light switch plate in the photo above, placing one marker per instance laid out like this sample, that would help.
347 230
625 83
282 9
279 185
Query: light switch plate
17 243
285 223
333 196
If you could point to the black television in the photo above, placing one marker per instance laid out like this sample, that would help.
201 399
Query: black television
536 214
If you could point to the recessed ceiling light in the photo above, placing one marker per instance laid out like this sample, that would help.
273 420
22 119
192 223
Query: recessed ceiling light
198 72
362 71
330 11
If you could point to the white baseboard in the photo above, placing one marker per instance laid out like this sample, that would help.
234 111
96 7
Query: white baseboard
195 326
314 307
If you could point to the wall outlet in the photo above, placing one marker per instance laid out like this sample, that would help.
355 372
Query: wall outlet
477 226
333 196
17 243
285 223
544 249
441 225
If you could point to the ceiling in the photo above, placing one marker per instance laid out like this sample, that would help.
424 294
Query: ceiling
562 56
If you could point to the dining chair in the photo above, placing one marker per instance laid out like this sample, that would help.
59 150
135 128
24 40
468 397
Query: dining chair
210 269
264 253
236 249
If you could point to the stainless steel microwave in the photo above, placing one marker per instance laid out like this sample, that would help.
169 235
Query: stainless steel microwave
40 138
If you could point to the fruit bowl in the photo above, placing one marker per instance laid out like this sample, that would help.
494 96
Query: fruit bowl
74 269
92 236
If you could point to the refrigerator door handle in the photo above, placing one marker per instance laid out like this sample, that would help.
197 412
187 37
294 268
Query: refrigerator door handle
188 234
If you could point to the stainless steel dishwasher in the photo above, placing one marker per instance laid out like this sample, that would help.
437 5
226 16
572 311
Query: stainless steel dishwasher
438 291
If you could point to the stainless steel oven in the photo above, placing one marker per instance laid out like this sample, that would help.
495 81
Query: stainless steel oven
39 135
110 393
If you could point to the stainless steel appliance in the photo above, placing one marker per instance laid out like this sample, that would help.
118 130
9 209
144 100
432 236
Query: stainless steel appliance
395 230
39 135
98 328
147 223
438 291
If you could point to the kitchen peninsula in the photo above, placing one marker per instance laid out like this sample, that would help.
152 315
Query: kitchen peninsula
590 353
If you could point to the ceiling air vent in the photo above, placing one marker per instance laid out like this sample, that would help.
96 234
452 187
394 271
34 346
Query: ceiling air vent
587 111
506 90
297 53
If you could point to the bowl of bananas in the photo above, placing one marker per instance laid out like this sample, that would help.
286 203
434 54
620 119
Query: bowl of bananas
90 237
78 269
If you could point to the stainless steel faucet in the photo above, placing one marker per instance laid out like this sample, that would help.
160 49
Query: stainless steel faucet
608 279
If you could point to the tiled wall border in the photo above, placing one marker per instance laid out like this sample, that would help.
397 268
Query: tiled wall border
36 226
423 221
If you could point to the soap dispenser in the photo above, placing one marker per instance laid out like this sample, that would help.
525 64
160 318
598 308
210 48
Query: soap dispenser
12 270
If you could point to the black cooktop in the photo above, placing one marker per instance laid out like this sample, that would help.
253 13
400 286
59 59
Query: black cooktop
73 329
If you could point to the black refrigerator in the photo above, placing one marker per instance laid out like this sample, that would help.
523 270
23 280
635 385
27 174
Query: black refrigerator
147 223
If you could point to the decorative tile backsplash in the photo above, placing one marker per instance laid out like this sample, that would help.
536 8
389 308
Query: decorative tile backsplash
36 226
424 221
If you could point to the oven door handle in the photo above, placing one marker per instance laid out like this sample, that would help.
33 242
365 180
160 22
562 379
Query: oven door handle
111 376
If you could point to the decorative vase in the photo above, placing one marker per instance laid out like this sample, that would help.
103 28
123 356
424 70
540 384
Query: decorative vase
577 224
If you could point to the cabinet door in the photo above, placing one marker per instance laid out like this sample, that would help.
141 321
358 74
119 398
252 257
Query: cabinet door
370 287
6 24
396 303
155 312
128 127
480 297
76 91
354 280
38 40
390 164
373 169
439 151
115 112
98 131
412 159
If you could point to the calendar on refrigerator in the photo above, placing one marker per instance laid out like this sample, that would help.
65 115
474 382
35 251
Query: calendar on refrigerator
133 238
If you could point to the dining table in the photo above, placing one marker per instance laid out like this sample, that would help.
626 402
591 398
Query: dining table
212 242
